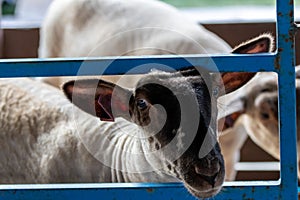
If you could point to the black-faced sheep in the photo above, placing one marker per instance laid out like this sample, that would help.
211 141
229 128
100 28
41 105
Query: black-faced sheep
165 106
44 139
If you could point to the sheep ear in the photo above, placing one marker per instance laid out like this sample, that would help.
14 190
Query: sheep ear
260 44
229 120
235 80
99 98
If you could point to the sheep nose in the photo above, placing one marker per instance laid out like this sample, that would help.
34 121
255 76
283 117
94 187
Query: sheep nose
208 166
208 169
210 179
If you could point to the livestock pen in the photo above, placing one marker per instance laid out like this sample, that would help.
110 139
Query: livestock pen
285 188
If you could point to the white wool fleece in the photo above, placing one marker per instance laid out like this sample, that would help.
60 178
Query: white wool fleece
45 139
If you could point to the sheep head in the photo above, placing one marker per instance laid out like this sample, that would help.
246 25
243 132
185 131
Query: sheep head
259 111
177 113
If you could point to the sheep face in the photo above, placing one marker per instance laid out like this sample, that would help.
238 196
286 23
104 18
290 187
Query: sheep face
177 113
260 111
262 105
187 110
257 117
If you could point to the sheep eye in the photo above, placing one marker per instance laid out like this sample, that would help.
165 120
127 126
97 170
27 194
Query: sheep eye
215 91
265 115
141 104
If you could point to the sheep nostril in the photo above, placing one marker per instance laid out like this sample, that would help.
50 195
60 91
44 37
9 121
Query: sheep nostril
208 166
210 179
208 170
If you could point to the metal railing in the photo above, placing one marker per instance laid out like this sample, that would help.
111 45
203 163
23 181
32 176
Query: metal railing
281 62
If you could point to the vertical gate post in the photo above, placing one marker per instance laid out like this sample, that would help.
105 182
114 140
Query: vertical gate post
285 65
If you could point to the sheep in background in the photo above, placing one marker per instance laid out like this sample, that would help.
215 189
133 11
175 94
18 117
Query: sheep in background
257 117
47 140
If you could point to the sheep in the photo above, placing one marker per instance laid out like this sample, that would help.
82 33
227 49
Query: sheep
119 28
202 177
258 117
163 131
156 28
140 103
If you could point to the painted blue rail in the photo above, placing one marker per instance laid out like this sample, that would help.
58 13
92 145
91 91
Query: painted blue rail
121 65
282 62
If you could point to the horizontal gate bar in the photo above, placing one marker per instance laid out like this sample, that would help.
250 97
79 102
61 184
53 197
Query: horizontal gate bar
132 65
131 191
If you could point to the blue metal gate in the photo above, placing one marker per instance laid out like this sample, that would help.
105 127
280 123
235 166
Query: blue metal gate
282 62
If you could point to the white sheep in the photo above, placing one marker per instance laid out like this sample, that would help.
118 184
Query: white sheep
80 28
257 116
44 139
